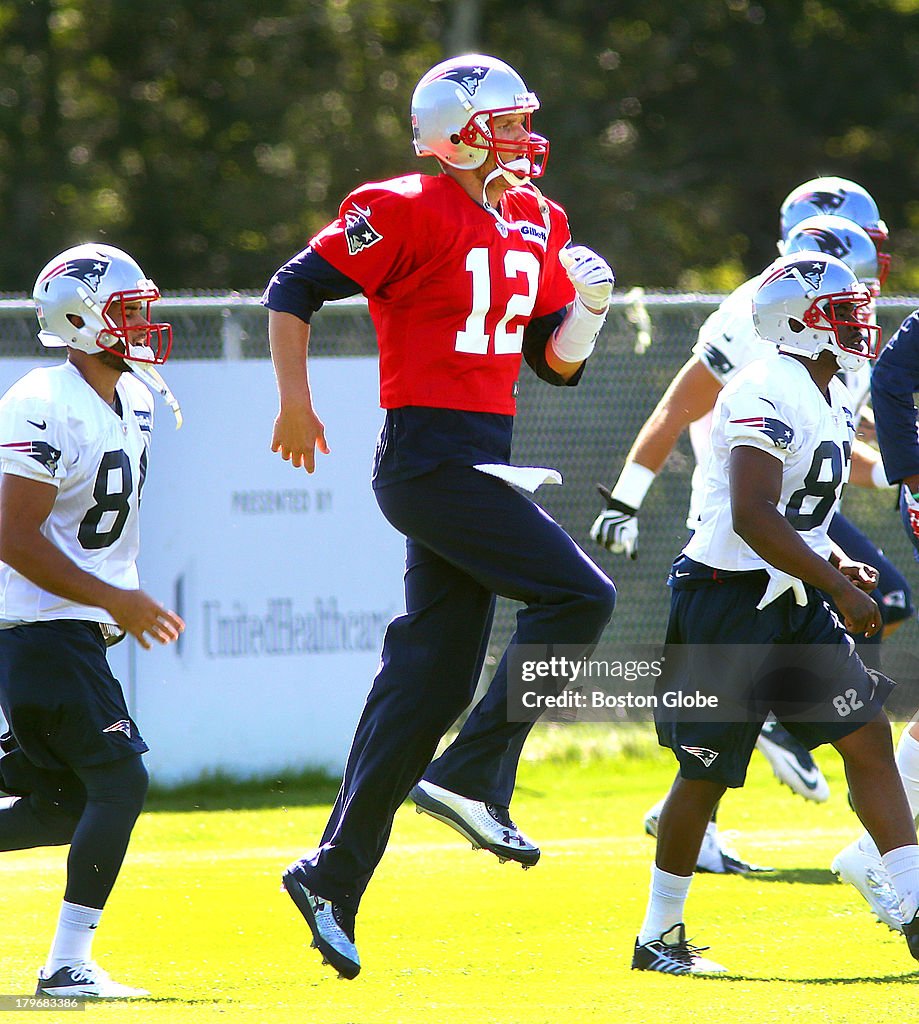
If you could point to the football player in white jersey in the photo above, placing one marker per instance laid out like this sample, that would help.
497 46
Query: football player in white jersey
74 439
748 590
726 342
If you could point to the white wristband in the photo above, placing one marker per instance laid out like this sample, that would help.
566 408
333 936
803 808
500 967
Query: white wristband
633 484
576 335
878 476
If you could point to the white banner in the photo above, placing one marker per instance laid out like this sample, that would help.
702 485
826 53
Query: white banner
286 580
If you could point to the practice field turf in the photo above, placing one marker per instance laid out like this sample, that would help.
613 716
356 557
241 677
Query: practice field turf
448 935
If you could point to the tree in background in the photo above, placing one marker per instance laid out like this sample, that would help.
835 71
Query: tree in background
211 138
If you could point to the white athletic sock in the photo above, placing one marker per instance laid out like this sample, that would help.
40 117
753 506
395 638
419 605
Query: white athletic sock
73 940
908 765
665 903
902 865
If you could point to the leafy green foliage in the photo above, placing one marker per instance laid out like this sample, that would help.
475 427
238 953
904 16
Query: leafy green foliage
212 139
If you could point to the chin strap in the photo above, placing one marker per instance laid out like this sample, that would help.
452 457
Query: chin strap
504 226
154 380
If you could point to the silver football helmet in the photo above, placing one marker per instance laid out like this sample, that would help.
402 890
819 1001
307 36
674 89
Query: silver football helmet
453 111
842 198
840 237
808 303
80 299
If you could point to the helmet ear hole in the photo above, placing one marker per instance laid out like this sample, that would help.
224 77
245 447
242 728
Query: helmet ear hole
455 139
796 326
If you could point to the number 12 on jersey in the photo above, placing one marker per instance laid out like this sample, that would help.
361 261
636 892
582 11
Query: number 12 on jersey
473 338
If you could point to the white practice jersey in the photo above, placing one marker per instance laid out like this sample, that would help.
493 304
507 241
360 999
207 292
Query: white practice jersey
774 405
56 429
728 342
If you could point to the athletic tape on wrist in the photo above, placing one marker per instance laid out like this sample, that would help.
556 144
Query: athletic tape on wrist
633 484
576 336
878 476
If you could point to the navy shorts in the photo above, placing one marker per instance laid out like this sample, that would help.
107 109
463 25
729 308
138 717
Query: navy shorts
59 697
797 662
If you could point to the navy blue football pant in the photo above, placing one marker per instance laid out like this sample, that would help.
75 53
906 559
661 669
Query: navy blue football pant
469 537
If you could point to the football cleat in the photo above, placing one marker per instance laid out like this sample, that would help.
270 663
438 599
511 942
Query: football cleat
673 954
485 826
792 763
911 932
716 856
868 874
332 926
84 980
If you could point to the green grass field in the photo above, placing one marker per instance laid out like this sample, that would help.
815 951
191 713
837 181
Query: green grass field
448 935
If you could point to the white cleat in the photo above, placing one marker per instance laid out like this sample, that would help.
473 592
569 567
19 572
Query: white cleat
485 826
792 763
85 980
868 874
716 856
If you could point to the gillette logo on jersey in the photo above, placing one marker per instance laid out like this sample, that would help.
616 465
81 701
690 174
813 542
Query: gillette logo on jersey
89 271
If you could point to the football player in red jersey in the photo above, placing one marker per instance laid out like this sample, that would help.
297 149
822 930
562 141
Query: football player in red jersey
466 272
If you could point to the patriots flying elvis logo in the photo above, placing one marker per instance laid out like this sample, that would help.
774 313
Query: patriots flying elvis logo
779 433
705 755
826 202
43 453
808 274
828 242
467 78
359 232
89 271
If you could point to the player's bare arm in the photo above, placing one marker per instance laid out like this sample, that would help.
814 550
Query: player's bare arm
690 396
756 488
298 431
866 468
24 506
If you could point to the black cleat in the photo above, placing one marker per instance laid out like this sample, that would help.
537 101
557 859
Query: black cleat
673 954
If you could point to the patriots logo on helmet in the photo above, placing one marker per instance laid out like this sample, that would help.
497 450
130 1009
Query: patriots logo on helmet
808 274
826 202
779 433
359 232
43 453
89 271
828 242
468 78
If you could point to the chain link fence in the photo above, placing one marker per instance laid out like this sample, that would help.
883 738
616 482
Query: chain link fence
585 432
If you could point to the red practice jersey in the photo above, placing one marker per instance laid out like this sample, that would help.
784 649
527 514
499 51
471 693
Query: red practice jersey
450 289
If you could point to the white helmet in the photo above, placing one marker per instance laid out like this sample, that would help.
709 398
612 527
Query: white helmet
840 237
88 285
807 303
453 111
842 198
